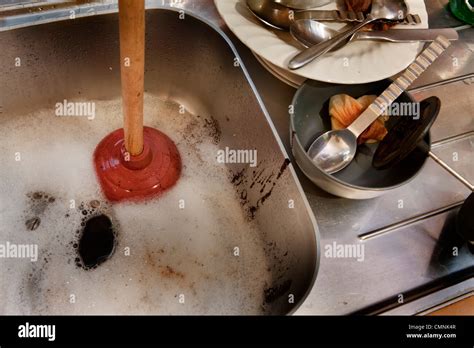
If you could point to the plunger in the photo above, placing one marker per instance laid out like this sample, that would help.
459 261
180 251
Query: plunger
136 162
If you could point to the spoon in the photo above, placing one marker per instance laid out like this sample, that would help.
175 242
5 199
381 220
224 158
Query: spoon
280 17
391 10
271 13
334 150
309 32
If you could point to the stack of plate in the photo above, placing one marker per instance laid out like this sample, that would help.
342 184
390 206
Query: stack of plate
283 75
358 62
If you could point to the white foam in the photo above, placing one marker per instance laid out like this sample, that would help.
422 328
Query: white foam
173 251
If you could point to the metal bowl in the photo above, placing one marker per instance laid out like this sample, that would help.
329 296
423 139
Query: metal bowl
310 118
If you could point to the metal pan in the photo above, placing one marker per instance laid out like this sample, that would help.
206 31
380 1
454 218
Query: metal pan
310 118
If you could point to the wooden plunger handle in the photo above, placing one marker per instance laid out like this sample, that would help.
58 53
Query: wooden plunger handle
132 55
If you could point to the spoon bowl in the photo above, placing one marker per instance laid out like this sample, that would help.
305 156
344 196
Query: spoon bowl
333 150
271 13
310 32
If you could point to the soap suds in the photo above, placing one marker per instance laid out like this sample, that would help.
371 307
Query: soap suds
174 254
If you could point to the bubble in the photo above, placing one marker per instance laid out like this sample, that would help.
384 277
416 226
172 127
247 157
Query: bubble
161 249
94 203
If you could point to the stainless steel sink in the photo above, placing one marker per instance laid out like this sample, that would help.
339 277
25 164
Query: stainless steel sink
193 63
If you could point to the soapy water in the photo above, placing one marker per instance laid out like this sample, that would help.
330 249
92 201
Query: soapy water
172 255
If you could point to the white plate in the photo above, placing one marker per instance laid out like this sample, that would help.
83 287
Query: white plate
285 76
358 62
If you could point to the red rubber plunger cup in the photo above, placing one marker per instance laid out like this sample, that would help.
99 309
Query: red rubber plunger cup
135 163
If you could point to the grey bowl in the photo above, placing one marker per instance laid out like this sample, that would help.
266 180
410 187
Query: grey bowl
359 180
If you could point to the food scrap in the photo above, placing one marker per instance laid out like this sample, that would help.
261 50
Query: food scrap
358 5
344 109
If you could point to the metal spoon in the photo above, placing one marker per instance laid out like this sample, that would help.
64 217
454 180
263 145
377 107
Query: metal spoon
334 150
391 10
309 32
281 17
271 13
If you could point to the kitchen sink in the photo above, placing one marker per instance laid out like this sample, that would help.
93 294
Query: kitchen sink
183 264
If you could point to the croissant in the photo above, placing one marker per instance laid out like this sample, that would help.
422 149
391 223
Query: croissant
344 109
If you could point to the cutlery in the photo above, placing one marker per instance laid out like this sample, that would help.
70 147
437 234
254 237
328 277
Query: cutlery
281 17
408 35
309 33
390 10
335 149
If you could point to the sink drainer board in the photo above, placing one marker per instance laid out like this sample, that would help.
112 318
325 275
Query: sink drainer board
177 254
